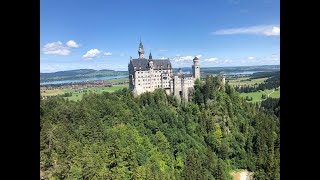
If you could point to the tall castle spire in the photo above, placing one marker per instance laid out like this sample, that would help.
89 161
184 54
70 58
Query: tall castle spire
141 50
150 56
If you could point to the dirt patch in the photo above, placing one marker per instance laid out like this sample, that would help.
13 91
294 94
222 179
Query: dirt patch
243 175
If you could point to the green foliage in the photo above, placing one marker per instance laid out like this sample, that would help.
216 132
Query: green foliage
117 136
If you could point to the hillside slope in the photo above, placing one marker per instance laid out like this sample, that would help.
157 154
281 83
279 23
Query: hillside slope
117 136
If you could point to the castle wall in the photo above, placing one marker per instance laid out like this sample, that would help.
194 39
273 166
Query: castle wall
146 75
148 81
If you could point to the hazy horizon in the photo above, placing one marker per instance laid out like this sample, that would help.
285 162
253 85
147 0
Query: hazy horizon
172 67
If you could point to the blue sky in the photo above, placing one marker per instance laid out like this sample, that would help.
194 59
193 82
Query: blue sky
100 34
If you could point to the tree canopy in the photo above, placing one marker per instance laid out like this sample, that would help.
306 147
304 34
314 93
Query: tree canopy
153 136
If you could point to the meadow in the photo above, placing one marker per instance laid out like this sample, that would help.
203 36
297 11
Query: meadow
257 96
246 81
77 94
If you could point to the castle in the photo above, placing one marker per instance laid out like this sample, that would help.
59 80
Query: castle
146 75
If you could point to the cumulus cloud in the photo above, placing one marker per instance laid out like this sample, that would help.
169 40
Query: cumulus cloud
59 48
266 30
56 48
107 53
210 60
274 58
183 58
72 44
91 54
163 58
250 58
180 58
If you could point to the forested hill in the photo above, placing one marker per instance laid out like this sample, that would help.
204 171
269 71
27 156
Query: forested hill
217 70
79 73
117 136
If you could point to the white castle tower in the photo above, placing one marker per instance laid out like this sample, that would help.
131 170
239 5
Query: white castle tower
196 68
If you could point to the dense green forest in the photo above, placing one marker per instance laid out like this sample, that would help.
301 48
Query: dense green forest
153 136
258 75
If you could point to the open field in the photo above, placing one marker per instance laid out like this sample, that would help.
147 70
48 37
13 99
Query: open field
77 94
118 80
275 94
256 96
246 81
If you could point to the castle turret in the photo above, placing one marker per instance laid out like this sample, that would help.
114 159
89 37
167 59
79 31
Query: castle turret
180 72
223 79
141 51
150 56
196 68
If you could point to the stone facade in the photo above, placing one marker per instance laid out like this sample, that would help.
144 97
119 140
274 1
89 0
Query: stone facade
146 75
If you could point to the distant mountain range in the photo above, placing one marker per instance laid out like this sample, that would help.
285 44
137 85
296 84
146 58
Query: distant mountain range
78 74
88 73
217 70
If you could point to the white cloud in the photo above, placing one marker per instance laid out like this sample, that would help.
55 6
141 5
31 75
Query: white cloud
210 60
59 48
122 54
107 53
72 44
56 48
163 58
274 58
266 30
91 54
180 58
183 58
250 58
